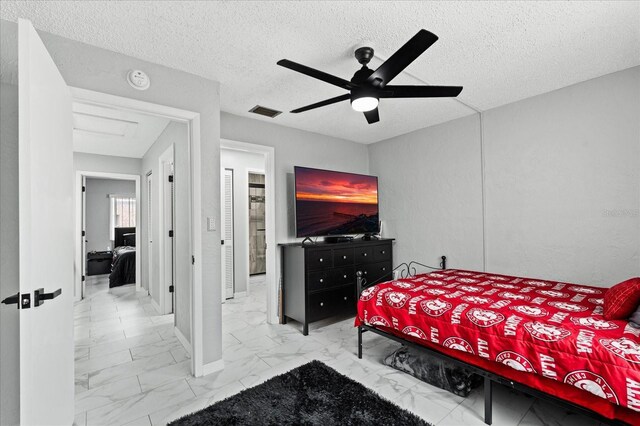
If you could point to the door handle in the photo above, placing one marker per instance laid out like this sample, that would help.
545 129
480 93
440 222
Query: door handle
12 299
39 296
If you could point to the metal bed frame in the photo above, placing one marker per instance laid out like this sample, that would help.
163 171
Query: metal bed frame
488 376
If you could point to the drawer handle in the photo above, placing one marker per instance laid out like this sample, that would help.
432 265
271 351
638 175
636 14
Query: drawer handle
321 280
321 260
344 276
344 257
384 269
365 272
321 303
383 252
364 254
345 298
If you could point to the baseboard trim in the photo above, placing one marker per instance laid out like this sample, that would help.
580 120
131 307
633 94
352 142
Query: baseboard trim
155 306
212 367
182 340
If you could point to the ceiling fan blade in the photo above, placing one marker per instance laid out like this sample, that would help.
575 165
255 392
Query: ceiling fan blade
402 58
420 91
320 75
372 116
322 103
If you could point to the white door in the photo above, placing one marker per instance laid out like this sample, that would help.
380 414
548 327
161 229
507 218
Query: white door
46 189
83 236
149 231
168 214
227 234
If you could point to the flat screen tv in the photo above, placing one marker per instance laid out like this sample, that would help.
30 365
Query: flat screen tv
335 203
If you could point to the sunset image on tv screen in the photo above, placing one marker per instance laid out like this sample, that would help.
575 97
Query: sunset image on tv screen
335 203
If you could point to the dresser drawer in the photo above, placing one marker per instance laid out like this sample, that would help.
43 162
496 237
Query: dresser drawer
331 302
374 271
319 259
343 257
382 253
363 255
346 275
319 280
346 301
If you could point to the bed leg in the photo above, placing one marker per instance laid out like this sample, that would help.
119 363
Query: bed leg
488 396
360 342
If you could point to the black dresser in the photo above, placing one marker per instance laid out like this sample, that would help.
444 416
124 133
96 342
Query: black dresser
320 279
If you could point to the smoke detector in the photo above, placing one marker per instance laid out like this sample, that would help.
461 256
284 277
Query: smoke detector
139 80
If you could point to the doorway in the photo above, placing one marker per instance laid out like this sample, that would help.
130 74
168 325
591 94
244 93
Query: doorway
257 225
100 201
245 160
183 191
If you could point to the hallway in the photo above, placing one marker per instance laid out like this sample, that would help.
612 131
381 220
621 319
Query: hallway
123 347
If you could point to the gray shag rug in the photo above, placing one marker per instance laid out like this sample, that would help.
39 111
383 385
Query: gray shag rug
312 394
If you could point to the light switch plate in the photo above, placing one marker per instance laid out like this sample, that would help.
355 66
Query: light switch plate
211 223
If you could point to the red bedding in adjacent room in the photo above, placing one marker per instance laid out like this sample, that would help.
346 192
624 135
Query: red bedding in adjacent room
554 331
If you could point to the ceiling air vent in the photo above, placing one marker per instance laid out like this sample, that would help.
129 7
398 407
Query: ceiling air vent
267 112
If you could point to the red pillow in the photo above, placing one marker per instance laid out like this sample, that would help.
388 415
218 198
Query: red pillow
621 300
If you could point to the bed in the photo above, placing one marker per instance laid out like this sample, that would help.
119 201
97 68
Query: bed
123 266
545 338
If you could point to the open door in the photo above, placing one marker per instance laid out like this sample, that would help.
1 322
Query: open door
227 235
46 250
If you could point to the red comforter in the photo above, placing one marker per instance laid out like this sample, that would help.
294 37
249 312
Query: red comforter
545 328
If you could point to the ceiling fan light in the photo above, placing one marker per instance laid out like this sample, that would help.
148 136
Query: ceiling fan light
364 104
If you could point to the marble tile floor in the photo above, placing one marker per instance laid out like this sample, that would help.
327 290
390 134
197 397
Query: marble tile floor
131 369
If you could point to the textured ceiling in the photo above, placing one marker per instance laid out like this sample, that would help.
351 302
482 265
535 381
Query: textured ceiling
499 51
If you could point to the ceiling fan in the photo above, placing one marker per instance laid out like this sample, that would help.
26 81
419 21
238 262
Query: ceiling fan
366 87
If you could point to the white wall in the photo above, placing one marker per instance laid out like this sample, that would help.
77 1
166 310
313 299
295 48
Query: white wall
97 193
559 168
241 163
106 163
93 68
562 186
293 147
430 193
9 240
175 134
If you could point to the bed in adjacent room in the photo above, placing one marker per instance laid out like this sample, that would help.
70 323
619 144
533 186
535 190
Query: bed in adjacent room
123 267
550 338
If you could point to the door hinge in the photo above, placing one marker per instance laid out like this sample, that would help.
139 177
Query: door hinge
222 242
170 289
193 260
84 233
171 234
84 188
83 278
170 178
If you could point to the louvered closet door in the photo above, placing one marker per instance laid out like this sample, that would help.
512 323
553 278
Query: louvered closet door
227 234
